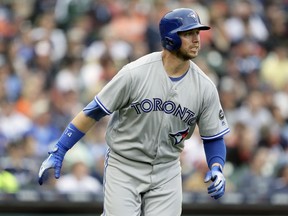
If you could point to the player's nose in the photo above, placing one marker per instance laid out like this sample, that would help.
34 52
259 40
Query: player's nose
195 38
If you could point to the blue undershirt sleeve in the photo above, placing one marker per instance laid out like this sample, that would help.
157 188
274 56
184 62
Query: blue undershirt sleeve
94 111
215 151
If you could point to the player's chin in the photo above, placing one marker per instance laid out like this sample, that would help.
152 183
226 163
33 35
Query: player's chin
186 55
193 54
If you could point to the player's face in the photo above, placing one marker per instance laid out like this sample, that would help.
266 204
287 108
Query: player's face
190 44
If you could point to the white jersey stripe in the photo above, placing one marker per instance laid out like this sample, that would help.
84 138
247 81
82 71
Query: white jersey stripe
102 106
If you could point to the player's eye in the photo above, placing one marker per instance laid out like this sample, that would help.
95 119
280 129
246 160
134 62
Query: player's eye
190 33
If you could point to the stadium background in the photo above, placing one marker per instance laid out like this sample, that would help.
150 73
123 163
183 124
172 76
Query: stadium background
55 55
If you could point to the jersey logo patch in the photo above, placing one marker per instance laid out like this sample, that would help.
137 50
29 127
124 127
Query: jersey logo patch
179 136
221 114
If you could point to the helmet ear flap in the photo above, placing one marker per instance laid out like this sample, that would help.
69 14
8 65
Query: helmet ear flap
169 41
172 43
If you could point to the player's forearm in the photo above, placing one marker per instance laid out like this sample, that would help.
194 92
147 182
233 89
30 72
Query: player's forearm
215 151
75 130
83 122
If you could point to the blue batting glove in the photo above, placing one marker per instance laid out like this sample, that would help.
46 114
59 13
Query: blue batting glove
217 187
54 161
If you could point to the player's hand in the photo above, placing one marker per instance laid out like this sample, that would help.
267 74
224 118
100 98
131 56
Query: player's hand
54 161
217 187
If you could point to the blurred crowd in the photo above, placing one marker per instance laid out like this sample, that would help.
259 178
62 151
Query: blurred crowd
55 55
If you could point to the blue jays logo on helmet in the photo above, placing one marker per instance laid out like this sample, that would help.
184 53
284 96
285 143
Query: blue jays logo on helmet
193 16
178 20
179 136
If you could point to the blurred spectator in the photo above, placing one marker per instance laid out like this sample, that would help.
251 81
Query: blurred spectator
33 89
247 56
232 91
280 185
194 182
79 181
47 30
19 164
276 19
110 51
13 124
273 136
152 37
193 154
219 11
43 131
274 67
64 104
241 143
97 146
42 6
68 76
245 21
102 11
257 177
7 24
254 114
111 43
280 99
8 182
11 81
129 25
43 64
67 12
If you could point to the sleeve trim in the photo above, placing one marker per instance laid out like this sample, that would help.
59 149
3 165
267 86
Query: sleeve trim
102 106
227 130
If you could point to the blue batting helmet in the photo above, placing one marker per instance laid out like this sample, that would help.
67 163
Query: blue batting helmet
178 20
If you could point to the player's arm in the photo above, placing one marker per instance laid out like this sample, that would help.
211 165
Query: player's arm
215 151
75 130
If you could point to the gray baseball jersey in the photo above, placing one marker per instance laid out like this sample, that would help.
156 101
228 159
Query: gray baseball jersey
152 115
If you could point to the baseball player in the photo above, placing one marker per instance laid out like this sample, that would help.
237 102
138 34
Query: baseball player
155 103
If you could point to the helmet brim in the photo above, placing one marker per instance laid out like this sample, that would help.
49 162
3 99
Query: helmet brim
193 26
